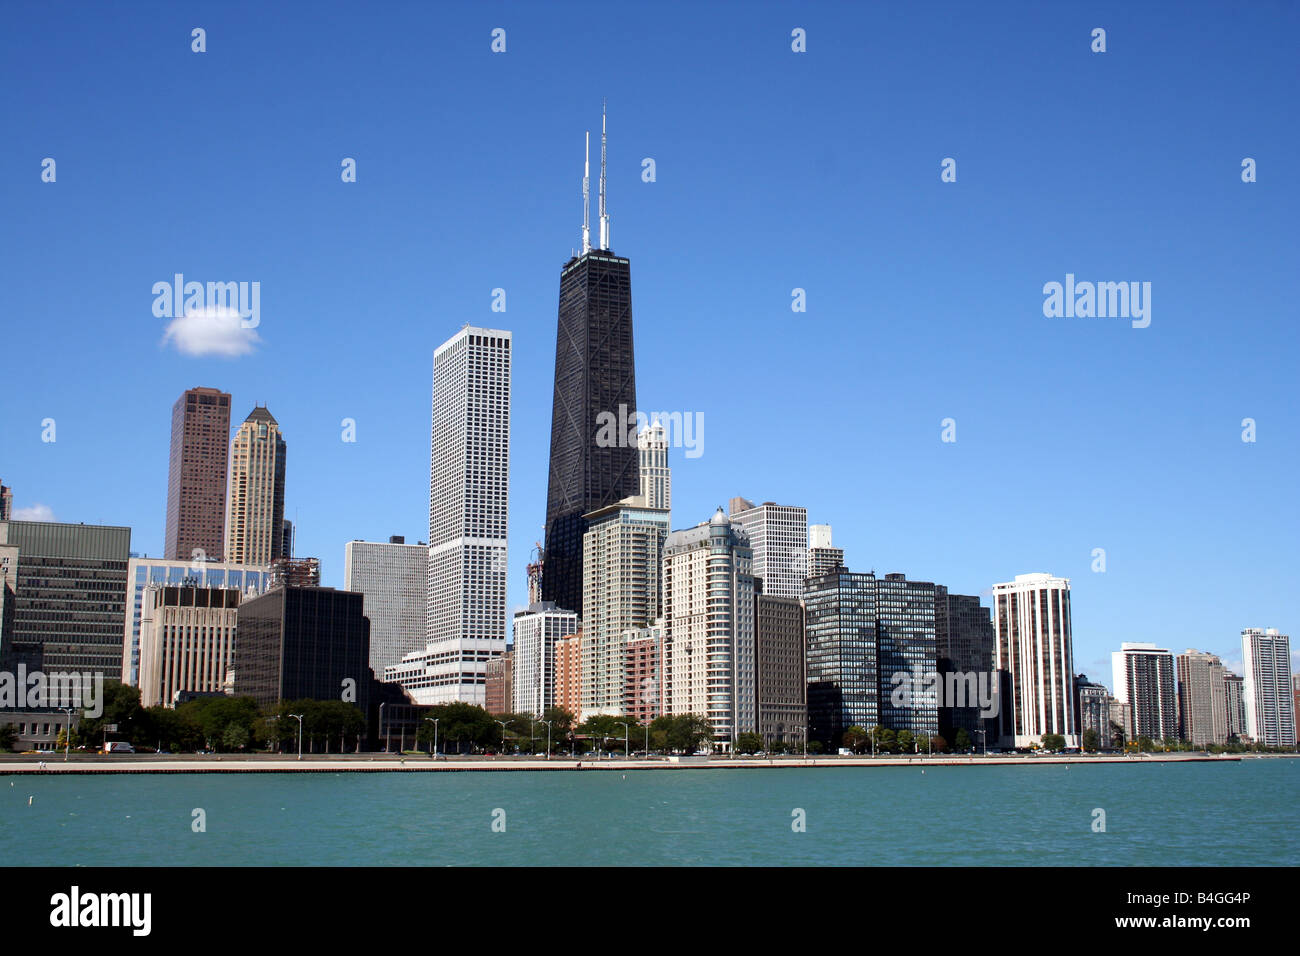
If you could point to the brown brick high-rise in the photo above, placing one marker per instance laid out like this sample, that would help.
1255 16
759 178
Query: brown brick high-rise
196 479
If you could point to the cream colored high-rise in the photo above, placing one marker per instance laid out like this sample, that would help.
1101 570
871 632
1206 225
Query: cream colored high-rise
255 515
187 641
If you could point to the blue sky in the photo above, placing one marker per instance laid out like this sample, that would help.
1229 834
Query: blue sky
775 170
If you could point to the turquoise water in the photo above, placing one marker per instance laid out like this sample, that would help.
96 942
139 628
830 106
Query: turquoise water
1210 814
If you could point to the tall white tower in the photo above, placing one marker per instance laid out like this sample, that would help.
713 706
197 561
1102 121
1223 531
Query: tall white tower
1031 625
1270 706
656 477
469 484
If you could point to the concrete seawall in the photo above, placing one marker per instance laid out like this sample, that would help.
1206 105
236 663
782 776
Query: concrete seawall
423 764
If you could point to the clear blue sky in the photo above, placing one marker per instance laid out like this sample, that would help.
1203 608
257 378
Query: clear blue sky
775 170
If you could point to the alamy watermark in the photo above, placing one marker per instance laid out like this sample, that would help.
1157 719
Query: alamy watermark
681 429
1085 300
178 298
955 689
37 690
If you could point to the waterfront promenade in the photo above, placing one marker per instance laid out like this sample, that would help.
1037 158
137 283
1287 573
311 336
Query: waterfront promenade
412 763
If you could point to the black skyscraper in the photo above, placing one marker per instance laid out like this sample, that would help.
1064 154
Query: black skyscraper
594 375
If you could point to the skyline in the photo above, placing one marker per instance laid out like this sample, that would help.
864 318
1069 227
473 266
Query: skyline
762 188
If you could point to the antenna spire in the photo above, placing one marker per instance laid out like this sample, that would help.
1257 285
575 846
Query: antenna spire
604 216
586 198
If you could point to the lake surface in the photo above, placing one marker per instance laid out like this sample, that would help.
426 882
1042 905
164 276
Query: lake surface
1194 814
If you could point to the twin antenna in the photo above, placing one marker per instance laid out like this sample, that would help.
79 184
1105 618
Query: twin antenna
586 192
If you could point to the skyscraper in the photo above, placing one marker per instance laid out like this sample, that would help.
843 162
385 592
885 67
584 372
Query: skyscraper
394 578
622 553
196 476
595 379
255 519
187 641
1270 707
537 631
823 557
303 642
143 572
780 678
1144 679
469 483
843 677
656 477
1202 698
708 650
1031 624
778 535
69 598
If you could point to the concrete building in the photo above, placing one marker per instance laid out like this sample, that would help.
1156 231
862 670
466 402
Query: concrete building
499 686
1202 698
780 669
393 578
187 641
622 552
778 536
1144 679
1270 705
1031 627
708 655
823 557
69 597
538 631
643 687
255 513
469 485
6 502
142 572
196 476
568 673
1094 705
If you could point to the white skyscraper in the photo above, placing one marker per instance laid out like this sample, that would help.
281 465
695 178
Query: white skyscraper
823 557
656 477
469 482
778 535
1270 706
393 576
1031 626
708 664
536 631
1144 679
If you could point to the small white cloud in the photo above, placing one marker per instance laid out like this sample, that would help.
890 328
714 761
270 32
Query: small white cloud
34 513
214 330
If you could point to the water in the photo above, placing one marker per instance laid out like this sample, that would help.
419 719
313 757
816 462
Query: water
1196 814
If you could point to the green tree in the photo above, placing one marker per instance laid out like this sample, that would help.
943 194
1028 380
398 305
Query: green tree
886 740
963 742
749 743
815 747
1090 739
1053 742
906 741
938 744
8 736
855 738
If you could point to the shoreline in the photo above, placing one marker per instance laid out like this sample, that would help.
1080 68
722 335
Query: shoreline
423 764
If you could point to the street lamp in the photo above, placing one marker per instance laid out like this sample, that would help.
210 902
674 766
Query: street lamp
434 748
503 734
299 716
67 739
381 724
623 724
548 737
